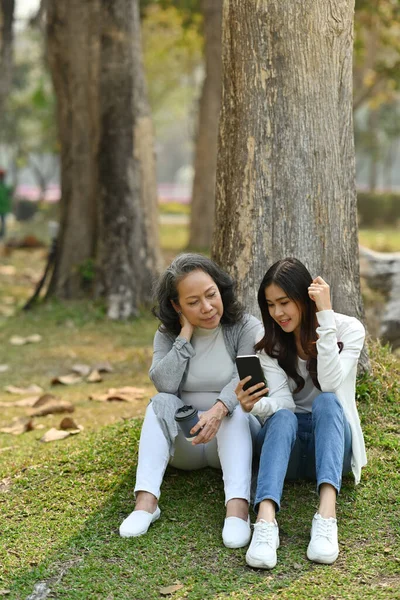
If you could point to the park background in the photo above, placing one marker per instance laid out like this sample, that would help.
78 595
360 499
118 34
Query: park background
62 502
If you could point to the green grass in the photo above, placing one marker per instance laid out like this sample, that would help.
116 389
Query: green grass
61 514
385 239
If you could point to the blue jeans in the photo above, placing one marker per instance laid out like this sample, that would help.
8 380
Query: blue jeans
314 445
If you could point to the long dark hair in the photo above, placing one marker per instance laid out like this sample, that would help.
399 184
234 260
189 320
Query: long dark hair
294 279
166 289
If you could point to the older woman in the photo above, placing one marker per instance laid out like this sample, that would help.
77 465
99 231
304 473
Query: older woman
202 330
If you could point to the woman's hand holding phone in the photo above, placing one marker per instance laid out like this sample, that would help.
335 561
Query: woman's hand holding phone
248 398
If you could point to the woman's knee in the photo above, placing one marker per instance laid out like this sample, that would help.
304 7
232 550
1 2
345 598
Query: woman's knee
284 420
328 403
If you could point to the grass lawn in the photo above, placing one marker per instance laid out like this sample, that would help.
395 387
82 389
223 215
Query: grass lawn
61 503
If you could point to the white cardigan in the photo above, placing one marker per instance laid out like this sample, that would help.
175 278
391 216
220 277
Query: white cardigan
336 373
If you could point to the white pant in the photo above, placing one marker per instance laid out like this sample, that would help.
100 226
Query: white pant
230 450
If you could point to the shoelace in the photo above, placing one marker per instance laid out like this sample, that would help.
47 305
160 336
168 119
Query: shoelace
264 533
324 529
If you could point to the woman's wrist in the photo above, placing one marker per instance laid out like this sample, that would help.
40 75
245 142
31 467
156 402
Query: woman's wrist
222 409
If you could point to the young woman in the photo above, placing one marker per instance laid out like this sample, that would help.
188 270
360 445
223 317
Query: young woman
309 355
203 328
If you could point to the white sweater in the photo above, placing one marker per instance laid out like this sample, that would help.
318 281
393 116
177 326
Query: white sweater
336 373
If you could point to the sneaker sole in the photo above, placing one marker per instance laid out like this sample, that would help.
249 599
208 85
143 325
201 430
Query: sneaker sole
323 560
259 564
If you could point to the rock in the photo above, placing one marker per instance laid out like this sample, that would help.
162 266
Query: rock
381 270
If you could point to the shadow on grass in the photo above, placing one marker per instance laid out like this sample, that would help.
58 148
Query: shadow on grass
75 504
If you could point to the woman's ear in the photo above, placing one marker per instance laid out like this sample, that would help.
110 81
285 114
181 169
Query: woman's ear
176 306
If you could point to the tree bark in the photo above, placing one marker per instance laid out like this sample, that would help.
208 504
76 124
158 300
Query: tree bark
286 166
203 194
73 50
128 256
6 48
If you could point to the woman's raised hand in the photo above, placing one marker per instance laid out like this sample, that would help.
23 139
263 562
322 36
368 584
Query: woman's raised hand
187 327
246 398
319 292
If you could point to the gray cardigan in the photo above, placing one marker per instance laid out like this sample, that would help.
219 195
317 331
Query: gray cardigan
171 357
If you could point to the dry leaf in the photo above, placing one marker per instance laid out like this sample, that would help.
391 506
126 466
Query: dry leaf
24 402
124 394
103 367
67 379
34 338
82 370
44 399
5 484
7 270
19 426
31 389
170 589
68 423
5 592
4 368
50 406
94 377
17 340
53 435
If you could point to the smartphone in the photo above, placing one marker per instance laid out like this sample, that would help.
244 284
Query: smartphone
249 364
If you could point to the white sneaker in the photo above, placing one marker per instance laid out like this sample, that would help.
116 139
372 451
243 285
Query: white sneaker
138 522
262 550
323 547
236 532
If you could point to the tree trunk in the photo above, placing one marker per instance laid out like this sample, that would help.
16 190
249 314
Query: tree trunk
128 257
286 166
203 194
6 48
73 49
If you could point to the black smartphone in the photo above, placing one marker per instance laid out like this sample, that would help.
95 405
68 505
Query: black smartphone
249 364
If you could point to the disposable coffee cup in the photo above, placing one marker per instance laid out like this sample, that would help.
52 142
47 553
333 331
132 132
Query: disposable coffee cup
187 417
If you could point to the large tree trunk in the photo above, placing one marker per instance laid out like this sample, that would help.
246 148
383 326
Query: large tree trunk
286 167
203 194
128 257
6 48
73 50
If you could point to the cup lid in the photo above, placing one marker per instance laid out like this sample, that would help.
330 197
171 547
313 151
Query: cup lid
185 412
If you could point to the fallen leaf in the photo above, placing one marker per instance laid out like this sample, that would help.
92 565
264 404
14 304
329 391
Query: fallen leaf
50 405
94 377
387 550
4 368
170 589
18 426
124 394
24 402
31 389
5 484
67 379
68 423
7 270
5 592
103 367
34 338
17 340
53 435
81 369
